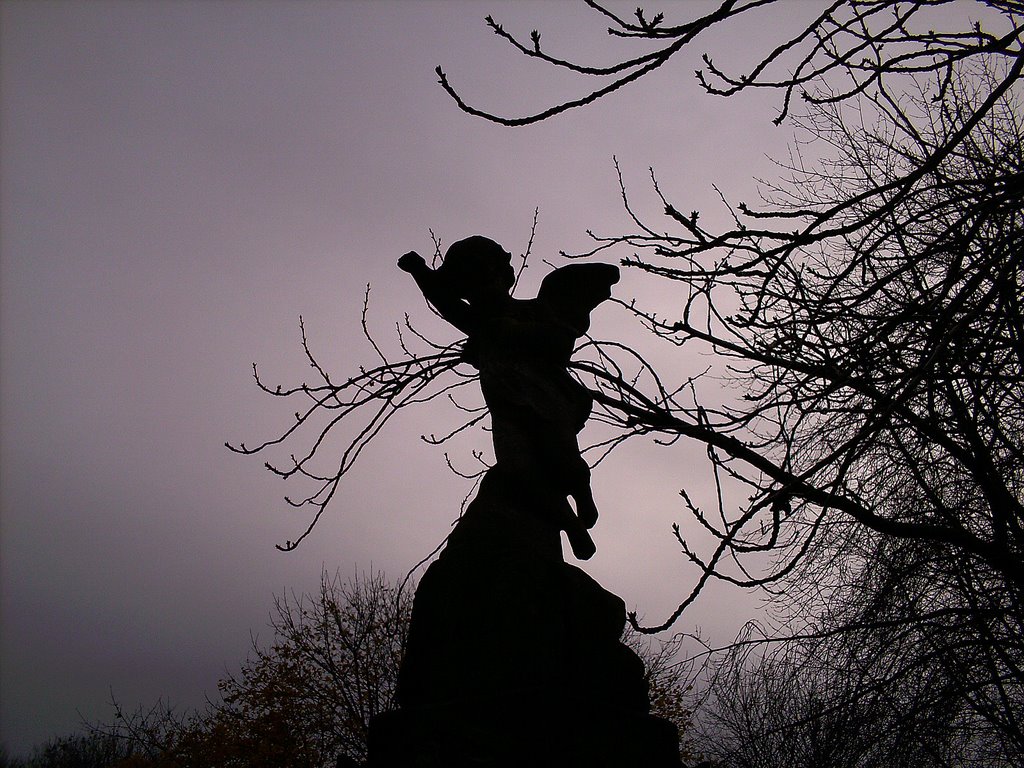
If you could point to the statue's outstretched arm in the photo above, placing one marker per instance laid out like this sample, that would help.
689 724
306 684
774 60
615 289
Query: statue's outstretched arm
451 307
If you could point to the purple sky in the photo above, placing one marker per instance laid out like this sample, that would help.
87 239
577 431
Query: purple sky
179 182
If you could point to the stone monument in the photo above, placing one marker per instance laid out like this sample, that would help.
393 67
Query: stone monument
514 656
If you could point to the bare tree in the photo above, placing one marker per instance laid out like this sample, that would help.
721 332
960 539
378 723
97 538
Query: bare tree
84 750
870 308
883 371
842 50
901 669
670 674
870 311
304 700
333 665
860 278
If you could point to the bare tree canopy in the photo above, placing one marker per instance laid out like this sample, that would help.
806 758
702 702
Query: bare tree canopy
869 310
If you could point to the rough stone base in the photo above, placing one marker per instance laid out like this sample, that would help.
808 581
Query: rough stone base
571 735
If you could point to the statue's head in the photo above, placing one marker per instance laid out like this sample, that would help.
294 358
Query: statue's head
477 268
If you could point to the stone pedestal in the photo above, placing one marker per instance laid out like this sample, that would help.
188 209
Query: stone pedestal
569 733
514 658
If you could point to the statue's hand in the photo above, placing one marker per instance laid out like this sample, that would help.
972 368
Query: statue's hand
411 262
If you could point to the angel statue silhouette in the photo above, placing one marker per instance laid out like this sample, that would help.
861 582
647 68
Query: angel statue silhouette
521 349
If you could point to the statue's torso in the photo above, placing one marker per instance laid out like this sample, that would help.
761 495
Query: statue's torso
522 351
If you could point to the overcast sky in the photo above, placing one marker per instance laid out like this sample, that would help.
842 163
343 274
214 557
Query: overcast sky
180 181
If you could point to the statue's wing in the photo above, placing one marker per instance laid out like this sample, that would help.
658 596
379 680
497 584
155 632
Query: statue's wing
573 291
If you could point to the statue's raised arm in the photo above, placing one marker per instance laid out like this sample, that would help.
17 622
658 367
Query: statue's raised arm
436 291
